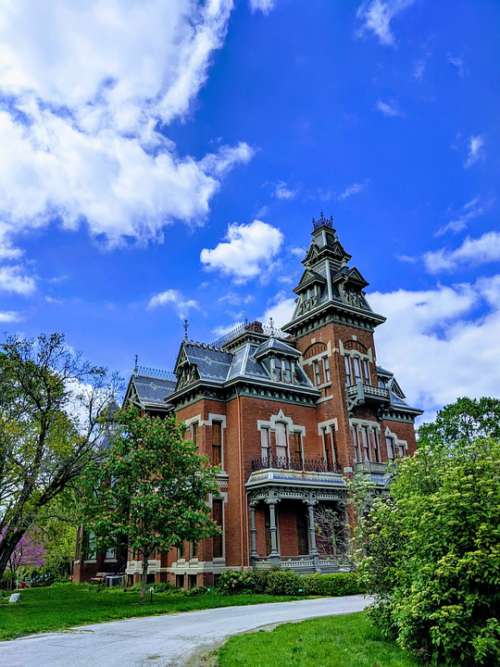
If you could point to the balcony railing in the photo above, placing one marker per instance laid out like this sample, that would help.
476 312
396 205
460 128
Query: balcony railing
360 393
294 463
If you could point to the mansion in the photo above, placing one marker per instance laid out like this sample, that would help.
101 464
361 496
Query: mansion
288 417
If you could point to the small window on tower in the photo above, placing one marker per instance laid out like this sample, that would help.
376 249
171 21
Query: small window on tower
366 368
357 369
287 371
317 373
326 369
347 367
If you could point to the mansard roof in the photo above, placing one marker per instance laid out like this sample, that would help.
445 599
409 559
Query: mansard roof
274 345
396 394
211 363
150 388
247 362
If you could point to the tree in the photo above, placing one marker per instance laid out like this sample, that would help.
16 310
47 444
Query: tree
51 402
429 551
152 489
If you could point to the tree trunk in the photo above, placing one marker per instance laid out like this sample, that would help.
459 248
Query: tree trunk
144 576
8 543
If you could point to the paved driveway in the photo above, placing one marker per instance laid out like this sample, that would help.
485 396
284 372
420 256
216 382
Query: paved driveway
160 640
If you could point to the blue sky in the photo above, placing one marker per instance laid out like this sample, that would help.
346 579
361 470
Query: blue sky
164 159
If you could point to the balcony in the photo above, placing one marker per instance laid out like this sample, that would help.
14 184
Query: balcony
294 463
361 394
372 468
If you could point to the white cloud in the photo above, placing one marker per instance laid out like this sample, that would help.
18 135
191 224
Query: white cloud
264 6
470 211
12 279
353 189
376 16
224 329
475 150
408 259
282 191
436 346
248 251
88 84
388 109
280 310
174 298
8 316
481 250
298 252
234 299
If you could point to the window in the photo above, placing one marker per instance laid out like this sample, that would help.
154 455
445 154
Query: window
347 367
357 448
317 374
216 458
381 383
357 369
281 441
366 369
194 432
389 443
365 443
264 444
90 546
179 580
326 369
217 516
180 551
287 371
327 447
193 550
297 448
110 554
277 369
375 445
401 448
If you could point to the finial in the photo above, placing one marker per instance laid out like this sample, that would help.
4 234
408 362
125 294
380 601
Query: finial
136 364
271 326
186 329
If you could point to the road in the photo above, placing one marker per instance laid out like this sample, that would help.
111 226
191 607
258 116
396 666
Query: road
166 640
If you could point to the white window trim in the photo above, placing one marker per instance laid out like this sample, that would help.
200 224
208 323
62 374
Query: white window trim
221 496
331 426
397 442
212 416
291 428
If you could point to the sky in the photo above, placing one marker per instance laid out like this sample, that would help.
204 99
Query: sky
163 159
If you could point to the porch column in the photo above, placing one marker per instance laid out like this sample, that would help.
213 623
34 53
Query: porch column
313 549
273 529
253 532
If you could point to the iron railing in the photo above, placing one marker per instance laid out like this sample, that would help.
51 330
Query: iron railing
294 463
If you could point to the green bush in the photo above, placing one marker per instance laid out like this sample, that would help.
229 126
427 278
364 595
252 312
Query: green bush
287 582
284 582
429 552
341 583
236 581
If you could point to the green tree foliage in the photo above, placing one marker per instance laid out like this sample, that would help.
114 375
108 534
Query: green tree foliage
51 402
430 552
152 489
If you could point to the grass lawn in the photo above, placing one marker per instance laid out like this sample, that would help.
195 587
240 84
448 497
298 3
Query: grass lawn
65 605
334 641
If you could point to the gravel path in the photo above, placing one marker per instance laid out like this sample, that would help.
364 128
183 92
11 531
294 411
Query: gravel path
157 641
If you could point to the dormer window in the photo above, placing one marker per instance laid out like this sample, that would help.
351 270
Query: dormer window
277 369
287 371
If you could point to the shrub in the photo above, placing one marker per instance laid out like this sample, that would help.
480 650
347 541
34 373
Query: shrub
284 582
288 582
236 581
429 551
341 583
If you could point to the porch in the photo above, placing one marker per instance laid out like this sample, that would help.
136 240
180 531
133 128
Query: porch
297 520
